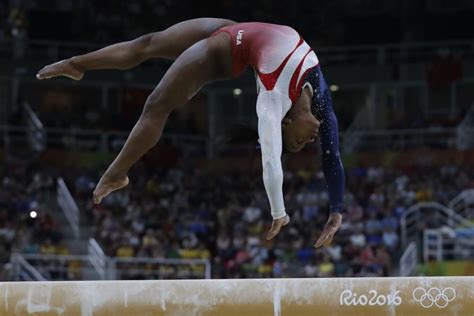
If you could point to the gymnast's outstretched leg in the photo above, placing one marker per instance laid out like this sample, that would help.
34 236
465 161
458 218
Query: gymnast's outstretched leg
168 44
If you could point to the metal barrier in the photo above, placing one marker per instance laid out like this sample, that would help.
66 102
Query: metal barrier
440 215
448 244
74 267
362 123
93 139
409 260
62 267
463 204
156 268
465 131
397 53
24 271
36 133
68 206
432 245
5 92
112 141
442 219
406 138
97 258
12 134
364 54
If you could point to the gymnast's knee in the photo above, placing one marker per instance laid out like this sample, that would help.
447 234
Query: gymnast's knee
157 105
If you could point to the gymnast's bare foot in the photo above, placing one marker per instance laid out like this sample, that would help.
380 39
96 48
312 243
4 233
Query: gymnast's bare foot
107 185
65 68
332 226
277 224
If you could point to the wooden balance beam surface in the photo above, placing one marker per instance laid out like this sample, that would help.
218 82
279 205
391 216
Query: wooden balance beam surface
259 297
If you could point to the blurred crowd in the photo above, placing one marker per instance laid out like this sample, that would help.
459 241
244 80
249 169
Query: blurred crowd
27 224
190 213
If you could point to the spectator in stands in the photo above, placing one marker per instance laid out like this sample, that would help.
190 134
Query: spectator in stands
171 217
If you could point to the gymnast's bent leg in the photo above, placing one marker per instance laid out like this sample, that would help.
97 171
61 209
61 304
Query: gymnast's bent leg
206 61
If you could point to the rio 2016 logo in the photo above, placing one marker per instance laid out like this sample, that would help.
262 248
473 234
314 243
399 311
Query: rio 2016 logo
349 298
434 296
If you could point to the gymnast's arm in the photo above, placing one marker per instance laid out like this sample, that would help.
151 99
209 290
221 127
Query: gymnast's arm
270 113
331 158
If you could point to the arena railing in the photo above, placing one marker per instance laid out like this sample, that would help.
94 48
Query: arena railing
218 120
393 53
5 97
362 123
409 260
439 213
82 267
62 267
97 258
439 137
448 244
36 133
96 140
465 131
157 268
68 206
463 204
362 54
22 270
432 245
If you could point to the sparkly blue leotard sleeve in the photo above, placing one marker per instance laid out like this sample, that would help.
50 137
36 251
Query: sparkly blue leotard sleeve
322 108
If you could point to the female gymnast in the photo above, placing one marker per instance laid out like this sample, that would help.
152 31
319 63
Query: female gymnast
294 105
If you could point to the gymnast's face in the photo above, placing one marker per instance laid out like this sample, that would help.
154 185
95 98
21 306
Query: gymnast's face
299 126
297 132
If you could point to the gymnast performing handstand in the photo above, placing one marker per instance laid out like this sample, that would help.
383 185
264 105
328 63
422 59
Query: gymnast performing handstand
294 105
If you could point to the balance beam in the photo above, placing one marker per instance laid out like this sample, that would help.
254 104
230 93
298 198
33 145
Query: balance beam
247 297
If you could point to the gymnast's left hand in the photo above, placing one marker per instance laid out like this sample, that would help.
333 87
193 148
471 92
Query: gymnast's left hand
332 226
277 224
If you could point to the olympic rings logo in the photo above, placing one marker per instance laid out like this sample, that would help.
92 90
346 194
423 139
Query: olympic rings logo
434 296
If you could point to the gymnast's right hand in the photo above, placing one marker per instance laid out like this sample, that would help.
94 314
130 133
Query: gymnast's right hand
277 224
65 68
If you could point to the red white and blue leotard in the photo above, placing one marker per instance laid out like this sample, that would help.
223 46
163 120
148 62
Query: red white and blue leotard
284 64
277 53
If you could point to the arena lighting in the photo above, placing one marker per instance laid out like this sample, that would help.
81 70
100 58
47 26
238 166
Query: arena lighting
237 91
33 214
334 88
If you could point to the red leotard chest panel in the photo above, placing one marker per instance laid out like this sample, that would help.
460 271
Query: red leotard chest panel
267 48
